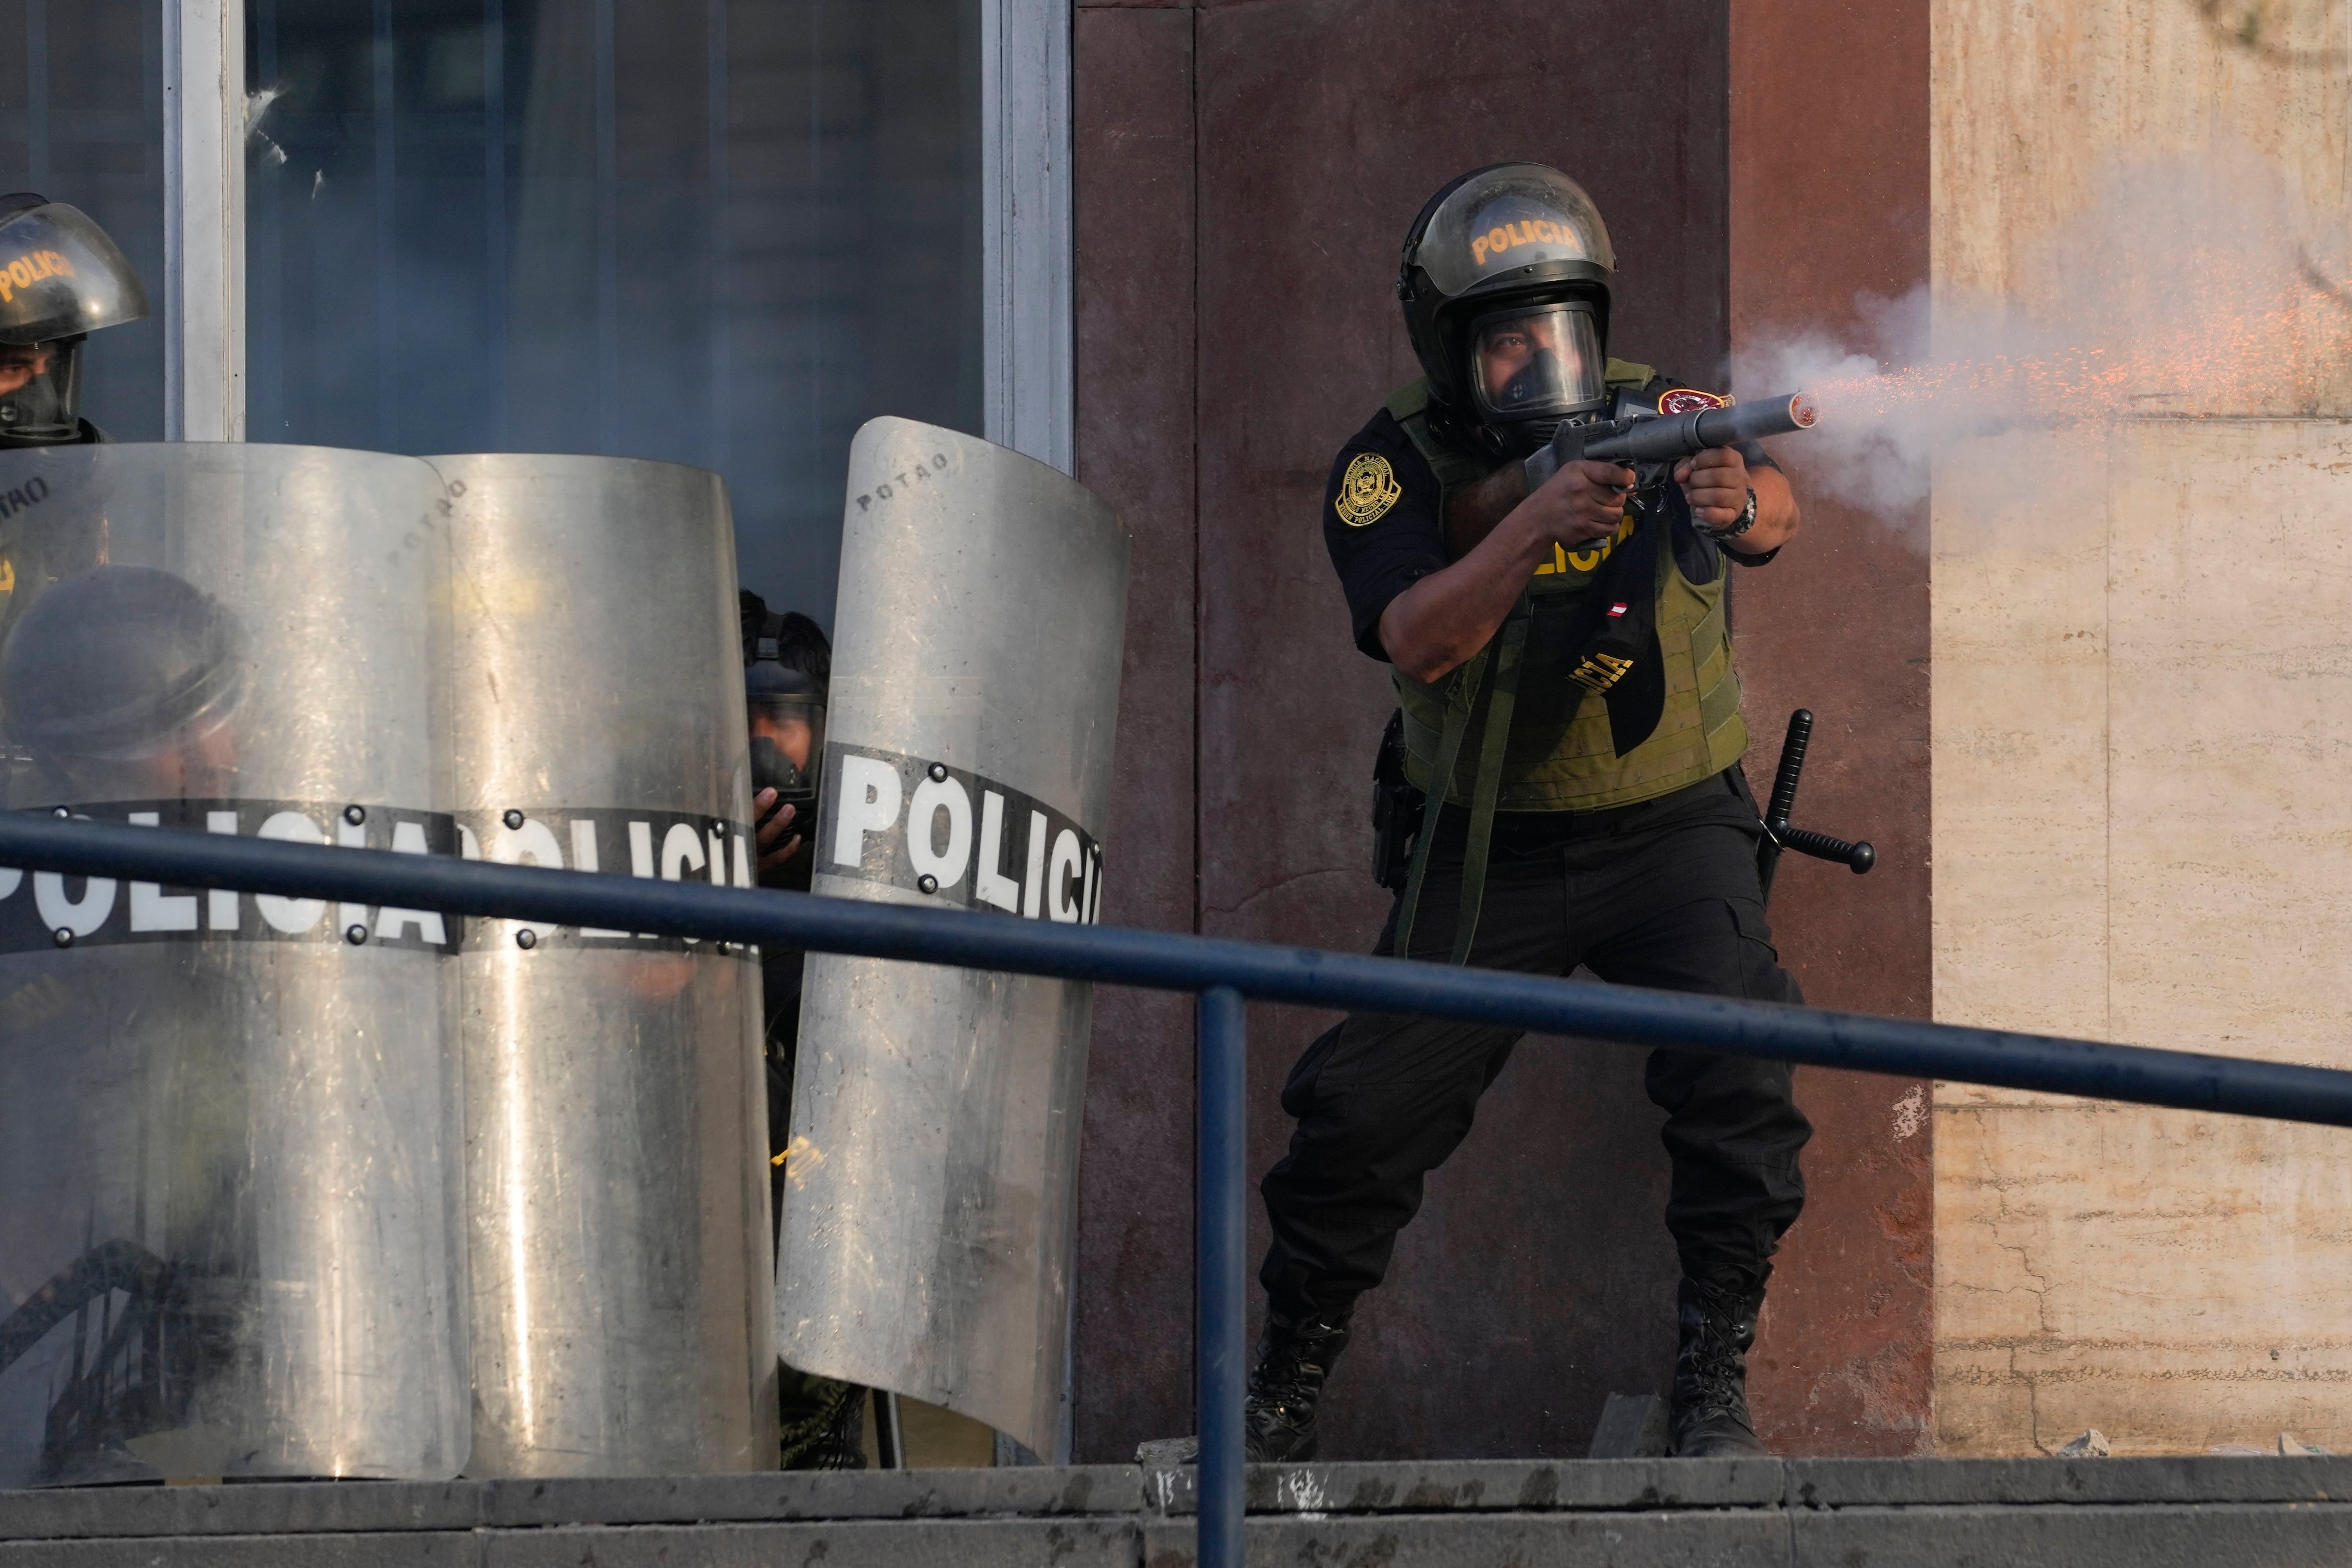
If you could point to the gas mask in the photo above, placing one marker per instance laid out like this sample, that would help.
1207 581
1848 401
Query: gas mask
39 383
786 710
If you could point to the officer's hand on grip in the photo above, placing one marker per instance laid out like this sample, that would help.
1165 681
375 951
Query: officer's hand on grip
1716 483
775 849
1582 503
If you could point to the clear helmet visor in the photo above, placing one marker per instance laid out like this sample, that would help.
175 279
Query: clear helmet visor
787 743
40 386
1542 362
1515 216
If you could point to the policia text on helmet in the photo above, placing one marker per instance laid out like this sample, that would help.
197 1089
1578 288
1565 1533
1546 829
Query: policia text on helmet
61 278
1565 770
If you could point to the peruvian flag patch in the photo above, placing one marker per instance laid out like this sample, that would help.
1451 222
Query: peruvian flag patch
1616 610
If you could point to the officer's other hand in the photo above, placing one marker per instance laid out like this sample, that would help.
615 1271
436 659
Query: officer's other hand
1716 482
1584 502
774 848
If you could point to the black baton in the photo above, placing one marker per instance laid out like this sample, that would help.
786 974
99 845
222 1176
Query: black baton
1780 835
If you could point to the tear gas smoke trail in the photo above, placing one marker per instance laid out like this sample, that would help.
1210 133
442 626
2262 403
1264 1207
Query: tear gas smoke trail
2187 288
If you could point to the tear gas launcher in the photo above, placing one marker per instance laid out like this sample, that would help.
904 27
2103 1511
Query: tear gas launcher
1651 443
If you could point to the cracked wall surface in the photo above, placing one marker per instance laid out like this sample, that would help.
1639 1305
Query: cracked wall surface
2142 726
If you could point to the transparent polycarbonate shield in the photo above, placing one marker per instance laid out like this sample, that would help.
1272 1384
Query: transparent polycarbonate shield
616 1113
231 1220
930 1198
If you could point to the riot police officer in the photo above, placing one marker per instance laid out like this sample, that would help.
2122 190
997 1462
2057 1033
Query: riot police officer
61 278
124 683
787 663
1566 697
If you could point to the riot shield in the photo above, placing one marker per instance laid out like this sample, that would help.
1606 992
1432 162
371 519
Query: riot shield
231 1226
616 1112
930 1200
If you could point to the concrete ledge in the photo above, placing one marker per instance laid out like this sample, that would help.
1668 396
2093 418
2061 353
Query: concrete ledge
1628 1513
352 1507
1851 1483
1487 1485
2161 1535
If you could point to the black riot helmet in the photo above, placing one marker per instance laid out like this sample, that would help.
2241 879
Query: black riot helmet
119 663
1505 281
61 278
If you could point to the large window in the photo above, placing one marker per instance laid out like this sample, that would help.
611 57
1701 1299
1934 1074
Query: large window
81 120
717 232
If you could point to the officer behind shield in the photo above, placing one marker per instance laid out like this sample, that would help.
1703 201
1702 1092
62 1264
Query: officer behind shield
122 682
787 662
1564 682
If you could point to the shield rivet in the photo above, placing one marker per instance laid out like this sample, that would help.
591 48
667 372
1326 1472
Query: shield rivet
513 818
356 814
526 939
938 775
62 937
928 882
356 935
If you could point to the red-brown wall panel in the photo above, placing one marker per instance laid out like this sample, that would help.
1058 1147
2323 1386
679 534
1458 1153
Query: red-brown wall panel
1132 73
1829 206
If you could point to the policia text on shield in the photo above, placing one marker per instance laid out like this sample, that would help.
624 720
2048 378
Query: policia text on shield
1557 627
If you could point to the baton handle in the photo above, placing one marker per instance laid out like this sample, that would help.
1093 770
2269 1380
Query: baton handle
1860 856
1792 768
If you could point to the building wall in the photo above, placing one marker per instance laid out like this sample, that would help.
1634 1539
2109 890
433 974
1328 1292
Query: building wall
2142 728
1829 208
1237 323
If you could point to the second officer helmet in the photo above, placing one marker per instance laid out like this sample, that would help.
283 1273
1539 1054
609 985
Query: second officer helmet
118 663
1505 282
61 278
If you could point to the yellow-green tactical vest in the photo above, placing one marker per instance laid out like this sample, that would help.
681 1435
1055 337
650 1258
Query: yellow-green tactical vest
1558 755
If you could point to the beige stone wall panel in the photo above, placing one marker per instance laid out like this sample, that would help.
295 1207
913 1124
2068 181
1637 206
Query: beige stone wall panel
2035 104
2142 732
2019 574
2140 742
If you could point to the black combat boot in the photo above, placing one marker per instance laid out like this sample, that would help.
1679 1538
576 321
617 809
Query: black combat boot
1709 1410
840 1444
1294 1357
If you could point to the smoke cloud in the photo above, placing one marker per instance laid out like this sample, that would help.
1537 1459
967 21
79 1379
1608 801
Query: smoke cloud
2185 288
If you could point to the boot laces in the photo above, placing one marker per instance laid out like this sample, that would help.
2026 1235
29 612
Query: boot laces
1290 1374
1715 1364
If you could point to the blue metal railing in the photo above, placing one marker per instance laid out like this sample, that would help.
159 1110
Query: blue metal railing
1223 974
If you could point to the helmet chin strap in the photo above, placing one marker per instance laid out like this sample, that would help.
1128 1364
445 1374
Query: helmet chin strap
1522 438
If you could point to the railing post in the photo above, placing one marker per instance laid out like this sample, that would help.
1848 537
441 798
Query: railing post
1223 1311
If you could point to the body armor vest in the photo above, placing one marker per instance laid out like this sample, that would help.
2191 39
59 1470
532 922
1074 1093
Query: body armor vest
1557 754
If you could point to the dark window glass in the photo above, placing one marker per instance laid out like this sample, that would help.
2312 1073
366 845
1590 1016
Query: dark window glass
717 232
81 120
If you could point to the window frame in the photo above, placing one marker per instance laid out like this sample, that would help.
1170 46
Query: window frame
1027 263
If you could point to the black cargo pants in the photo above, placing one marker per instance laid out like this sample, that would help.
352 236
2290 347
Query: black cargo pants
1662 894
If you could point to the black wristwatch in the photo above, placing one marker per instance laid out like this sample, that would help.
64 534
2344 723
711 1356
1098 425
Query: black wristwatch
1747 520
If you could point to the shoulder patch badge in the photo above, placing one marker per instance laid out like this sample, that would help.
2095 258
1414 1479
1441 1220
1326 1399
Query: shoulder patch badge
1690 400
1367 491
